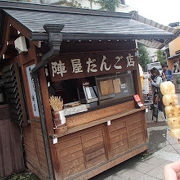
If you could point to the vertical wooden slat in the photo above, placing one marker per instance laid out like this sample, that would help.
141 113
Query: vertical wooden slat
1 158
16 142
7 156
11 156
118 138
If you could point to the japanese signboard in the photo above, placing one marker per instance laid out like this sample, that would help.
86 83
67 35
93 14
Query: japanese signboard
32 90
79 65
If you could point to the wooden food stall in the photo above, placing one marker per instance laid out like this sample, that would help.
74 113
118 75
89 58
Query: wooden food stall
89 59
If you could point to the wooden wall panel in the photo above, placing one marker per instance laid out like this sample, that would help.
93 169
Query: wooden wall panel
11 155
82 150
70 155
125 133
109 164
118 138
135 129
35 150
100 146
4 112
93 147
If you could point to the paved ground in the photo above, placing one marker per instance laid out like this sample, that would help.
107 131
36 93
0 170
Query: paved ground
163 149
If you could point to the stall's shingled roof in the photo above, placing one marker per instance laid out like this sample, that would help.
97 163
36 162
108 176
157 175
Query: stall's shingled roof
83 24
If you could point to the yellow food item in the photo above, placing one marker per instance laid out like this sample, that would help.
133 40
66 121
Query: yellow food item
175 133
167 87
174 122
170 99
172 111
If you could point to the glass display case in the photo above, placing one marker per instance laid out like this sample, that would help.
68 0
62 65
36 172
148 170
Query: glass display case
114 87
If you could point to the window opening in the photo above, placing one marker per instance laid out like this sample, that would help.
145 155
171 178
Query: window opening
80 95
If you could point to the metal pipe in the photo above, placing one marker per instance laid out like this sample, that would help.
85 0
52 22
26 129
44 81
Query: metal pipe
54 41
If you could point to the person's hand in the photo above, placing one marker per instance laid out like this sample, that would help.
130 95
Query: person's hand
172 171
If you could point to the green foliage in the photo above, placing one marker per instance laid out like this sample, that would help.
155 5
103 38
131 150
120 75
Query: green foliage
161 57
91 2
109 5
145 155
143 58
73 3
23 176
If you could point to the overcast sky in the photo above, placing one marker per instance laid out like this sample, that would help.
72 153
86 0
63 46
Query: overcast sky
161 11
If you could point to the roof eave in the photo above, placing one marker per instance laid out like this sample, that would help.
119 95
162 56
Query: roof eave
150 22
94 36
57 9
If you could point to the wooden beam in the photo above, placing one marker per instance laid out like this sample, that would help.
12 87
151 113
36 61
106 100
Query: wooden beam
49 123
6 36
19 27
22 29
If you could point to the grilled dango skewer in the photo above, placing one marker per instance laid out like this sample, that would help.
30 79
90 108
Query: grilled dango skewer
167 87
172 111
170 99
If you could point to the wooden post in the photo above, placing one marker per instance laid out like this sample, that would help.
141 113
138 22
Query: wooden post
49 124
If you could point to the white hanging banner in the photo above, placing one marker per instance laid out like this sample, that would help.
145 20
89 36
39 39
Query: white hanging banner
32 90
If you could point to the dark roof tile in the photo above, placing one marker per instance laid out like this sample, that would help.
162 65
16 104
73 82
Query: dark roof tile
89 24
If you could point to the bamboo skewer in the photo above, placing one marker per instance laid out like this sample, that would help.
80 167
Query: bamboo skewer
56 103
58 114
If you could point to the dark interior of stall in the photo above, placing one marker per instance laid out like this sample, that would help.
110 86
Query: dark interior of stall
94 92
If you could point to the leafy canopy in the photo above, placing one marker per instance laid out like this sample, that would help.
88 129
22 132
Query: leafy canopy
161 57
143 58
109 5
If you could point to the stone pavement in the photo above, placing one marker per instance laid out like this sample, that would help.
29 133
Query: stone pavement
163 149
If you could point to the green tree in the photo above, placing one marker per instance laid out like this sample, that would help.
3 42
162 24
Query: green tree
91 3
72 3
161 57
143 58
109 5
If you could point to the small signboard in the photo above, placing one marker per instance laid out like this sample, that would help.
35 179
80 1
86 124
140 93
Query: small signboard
32 90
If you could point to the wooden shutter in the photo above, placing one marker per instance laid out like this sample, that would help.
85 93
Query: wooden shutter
14 92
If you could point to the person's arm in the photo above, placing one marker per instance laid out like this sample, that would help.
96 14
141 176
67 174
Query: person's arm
172 171
158 82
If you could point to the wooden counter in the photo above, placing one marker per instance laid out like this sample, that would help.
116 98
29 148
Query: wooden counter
97 122
91 148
